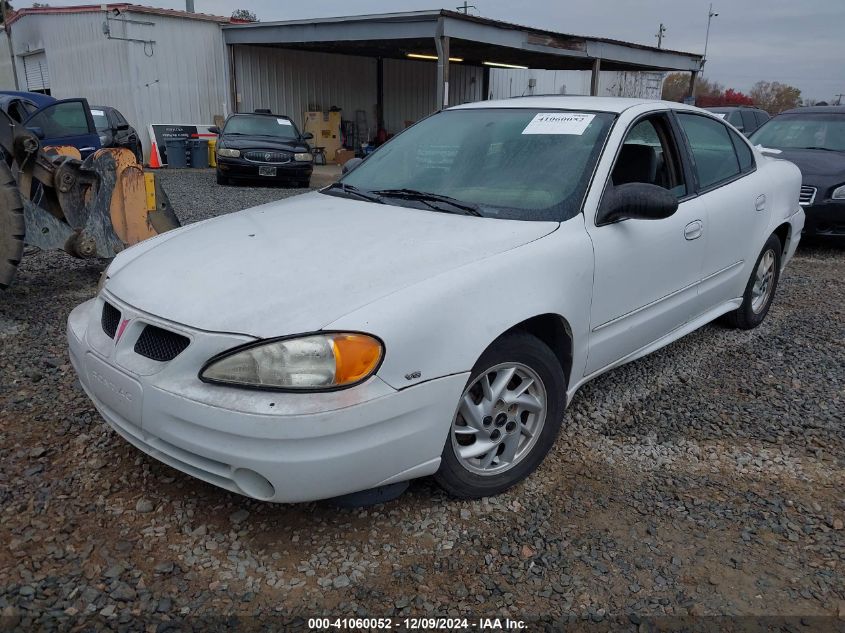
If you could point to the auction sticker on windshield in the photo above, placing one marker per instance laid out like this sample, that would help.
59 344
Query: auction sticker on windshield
283 121
559 123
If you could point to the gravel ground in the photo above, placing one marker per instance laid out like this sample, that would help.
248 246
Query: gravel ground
706 479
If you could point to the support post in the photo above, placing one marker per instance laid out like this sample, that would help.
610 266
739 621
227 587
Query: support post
379 94
691 90
442 43
594 79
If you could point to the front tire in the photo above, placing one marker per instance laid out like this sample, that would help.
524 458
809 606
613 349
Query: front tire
507 419
760 289
221 179
12 226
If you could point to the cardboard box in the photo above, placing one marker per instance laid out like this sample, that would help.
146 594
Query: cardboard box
343 155
325 126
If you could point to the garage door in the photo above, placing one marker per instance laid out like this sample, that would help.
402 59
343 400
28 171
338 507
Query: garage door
37 75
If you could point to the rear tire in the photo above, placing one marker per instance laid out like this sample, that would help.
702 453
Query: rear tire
760 289
513 403
12 226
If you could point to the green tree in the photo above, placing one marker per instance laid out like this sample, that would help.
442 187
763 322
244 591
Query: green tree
676 87
244 14
775 97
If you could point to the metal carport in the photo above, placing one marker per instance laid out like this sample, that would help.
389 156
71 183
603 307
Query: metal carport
440 35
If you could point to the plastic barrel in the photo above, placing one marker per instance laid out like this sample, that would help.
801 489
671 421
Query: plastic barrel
199 153
177 154
212 152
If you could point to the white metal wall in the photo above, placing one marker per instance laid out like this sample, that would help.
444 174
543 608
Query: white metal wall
410 89
505 83
291 82
180 79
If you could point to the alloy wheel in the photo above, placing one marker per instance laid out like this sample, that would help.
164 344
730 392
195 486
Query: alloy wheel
499 419
763 278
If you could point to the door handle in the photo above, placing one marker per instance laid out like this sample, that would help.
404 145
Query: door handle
760 203
693 230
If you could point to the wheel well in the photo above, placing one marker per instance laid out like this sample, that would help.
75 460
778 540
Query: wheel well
783 235
555 332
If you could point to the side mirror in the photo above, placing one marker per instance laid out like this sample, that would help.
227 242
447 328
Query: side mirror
307 136
351 164
636 201
37 131
214 129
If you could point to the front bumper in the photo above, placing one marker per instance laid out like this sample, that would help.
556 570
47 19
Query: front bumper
825 218
242 168
282 447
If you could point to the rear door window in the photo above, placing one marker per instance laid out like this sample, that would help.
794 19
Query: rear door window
712 149
61 119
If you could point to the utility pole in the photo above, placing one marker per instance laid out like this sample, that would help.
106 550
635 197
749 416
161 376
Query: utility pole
4 11
659 35
710 16
464 8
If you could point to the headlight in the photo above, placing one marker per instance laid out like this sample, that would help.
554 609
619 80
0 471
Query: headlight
303 156
228 153
838 193
317 361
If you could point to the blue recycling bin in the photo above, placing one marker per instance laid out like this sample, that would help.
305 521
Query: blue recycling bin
177 153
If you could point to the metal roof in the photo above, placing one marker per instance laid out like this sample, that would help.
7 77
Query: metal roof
473 38
122 7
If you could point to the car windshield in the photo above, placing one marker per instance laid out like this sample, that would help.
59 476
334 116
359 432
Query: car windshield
101 121
515 163
261 125
800 131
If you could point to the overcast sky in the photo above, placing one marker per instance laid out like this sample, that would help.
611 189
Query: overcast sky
798 42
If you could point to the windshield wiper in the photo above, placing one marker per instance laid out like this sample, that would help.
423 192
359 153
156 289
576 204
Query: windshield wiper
353 190
827 149
431 200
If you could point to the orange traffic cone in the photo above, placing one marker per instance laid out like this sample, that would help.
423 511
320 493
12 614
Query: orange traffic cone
154 161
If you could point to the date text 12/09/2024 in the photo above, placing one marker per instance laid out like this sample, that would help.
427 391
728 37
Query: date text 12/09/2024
416 624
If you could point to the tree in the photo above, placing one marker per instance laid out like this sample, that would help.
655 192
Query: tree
775 97
676 88
245 15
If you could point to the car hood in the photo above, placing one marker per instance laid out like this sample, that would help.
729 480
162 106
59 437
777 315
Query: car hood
263 142
816 162
296 265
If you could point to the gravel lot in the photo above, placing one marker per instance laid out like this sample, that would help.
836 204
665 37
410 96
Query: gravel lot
705 479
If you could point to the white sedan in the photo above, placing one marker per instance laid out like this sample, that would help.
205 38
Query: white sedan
435 311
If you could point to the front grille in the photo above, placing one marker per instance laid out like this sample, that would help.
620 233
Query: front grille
807 195
161 345
110 319
267 156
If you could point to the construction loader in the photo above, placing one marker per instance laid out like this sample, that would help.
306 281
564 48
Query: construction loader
52 199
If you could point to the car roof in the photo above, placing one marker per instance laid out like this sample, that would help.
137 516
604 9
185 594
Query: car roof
731 108
275 116
36 97
816 110
573 102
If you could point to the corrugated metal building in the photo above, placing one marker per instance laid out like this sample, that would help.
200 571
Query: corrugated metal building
154 65
506 83
164 66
